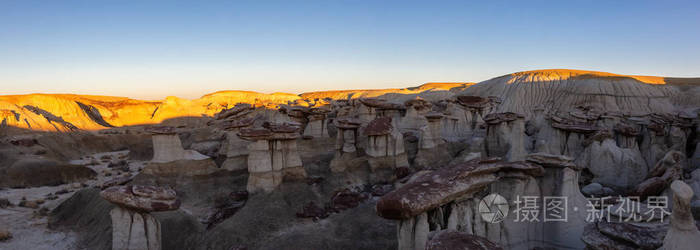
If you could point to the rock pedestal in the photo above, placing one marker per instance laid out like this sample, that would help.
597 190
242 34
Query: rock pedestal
345 144
683 233
505 136
317 126
273 156
132 226
167 146
384 148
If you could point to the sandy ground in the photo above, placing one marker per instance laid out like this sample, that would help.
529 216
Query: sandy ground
29 231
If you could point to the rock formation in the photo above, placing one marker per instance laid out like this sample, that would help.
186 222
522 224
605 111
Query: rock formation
132 225
346 146
384 147
682 233
167 146
273 156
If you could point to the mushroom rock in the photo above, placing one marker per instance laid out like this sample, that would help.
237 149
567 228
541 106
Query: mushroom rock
432 150
415 114
626 135
455 240
505 136
346 143
273 156
132 225
167 146
476 107
682 233
446 184
442 199
317 126
457 125
561 180
296 114
234 148
612 166
653 145
384 147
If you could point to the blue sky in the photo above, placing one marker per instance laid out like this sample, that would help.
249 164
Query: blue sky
152 49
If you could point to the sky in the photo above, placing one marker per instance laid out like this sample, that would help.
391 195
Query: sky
154 49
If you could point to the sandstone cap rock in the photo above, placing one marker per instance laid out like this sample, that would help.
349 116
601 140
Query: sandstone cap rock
379 126
477 102
433 116
497 118
142 198
348 123
550 160
446 184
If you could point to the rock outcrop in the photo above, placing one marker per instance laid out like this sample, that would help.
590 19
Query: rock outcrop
132 225
273 156
682 233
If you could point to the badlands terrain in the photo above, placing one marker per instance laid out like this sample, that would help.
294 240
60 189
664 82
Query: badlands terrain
356 169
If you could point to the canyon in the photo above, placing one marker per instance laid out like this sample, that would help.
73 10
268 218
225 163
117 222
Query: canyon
356 169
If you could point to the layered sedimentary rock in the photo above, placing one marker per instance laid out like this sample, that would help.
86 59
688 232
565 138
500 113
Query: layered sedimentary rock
432 150
346 146
234 148
384 147
132 225
167 146
444 199
317 126
273 156
420 204
505 136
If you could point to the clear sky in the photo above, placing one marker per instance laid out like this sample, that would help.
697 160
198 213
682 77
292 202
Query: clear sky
152 49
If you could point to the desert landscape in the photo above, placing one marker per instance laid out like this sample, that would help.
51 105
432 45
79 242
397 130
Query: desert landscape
357 169
349 125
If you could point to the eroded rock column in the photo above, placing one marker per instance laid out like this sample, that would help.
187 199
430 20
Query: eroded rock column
133 227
